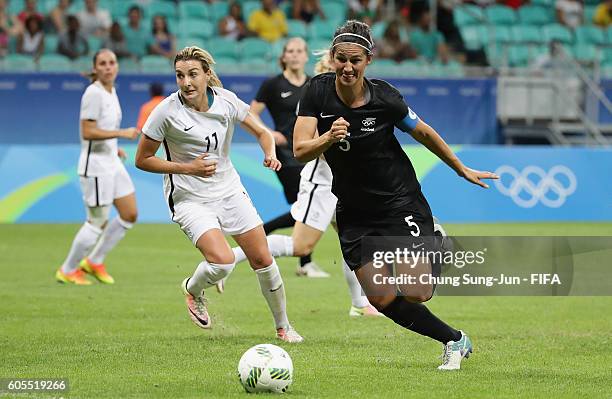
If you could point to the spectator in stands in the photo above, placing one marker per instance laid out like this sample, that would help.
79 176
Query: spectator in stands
116 42
30 10
156 90
307 10
164 43
603 14
56 21
4 42
269 22
391 45
428 43
368 11
137 36
445 22
94 21
9 24
232 26
72 43
32 40
569 12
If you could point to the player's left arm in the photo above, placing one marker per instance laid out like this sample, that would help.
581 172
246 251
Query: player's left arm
264 136
426 135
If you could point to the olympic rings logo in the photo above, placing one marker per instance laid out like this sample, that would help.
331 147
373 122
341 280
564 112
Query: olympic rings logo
526 193
368 121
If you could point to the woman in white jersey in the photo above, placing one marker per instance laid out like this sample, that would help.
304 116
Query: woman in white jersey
204 192
104 180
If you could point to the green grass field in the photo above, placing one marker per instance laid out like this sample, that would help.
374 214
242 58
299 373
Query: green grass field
135 339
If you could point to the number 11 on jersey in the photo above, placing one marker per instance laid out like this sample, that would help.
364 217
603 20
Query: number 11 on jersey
208 142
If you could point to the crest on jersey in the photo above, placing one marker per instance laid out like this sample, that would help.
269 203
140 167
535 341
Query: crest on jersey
367 122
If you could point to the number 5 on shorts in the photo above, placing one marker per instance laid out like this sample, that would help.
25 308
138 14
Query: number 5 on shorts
408 219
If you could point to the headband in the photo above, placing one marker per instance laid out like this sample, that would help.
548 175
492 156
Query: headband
368 49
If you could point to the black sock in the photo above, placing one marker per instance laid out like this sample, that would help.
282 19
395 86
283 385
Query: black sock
283 221
305 259
416 317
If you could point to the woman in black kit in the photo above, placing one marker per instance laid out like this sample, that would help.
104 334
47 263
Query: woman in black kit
281 94
376 185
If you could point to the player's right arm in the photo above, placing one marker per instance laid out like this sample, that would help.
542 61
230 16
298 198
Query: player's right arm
147 161
91 131
308 144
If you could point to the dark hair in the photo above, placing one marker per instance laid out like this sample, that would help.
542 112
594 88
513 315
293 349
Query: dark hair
156 89
355 28
134 8
33 18
163 19
280 57
92 75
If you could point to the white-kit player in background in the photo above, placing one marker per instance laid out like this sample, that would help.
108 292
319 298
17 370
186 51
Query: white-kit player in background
104 180
203 189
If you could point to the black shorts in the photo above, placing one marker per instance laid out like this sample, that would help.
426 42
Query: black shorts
414 221
289 174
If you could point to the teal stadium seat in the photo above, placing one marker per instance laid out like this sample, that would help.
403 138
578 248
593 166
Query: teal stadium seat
501 34
15 6
188 41
155 64
500 15
165 8
608 34
527 34
195 9
322 29
51 44
518 55
195 28
318 45
95 43
468 15
534 15
586 53
19 63
334 11
474 36
557 32
218 10
544 3
378 30
223 48
84 64
253 48
589 12
128 65
591 35
248 7
296 28
54 63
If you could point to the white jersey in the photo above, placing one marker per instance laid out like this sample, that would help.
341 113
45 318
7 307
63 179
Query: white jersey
317 171
99 157
187 134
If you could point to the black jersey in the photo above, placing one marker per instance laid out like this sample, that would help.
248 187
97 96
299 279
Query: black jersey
281 98
372 173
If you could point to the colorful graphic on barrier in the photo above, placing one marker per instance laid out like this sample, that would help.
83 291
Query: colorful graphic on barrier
40 184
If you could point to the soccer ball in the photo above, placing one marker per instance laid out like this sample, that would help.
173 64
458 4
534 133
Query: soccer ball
265 368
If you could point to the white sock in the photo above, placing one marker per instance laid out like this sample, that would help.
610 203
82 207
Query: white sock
273 290
85 239
357 298
206 275
113 233
278 245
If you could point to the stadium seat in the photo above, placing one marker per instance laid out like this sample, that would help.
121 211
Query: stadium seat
334 11
19 63
195 28
518 55
607 55
544 3
223 48
51 44
475 36
155 64
452 69
526 34
534 15
500 15
608 34
318 44
227 66
129 65
164 8
254 48
378 29
194 9
557 32
218 10
120 9
589 12
590 34
586 53
54 63
322 29
15 6
187 41
296 28
84 64
468 15
501 34
248 7
95 43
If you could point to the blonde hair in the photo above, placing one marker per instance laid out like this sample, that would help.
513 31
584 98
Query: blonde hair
324 63
207 61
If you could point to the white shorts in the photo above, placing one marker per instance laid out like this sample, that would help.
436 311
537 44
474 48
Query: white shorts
102 190
315 205
232 215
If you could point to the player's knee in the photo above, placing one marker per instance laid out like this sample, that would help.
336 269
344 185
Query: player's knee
422 294
130 217
302 248
223 258
260 261
381 302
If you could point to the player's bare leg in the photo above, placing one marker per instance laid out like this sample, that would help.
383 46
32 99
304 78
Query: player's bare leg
305 238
